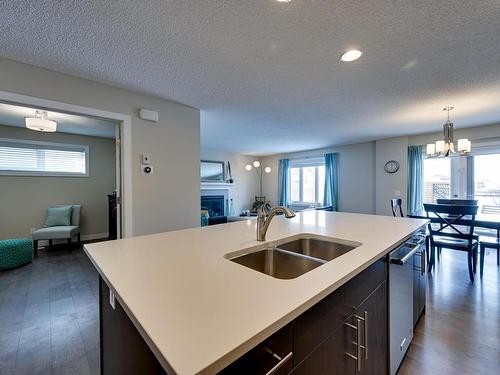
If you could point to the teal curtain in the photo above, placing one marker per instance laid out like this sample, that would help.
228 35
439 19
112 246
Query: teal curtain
284 165
331 181
415 178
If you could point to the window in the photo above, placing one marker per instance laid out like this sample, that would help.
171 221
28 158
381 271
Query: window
487 181
31 158
437 179
307 182
471 177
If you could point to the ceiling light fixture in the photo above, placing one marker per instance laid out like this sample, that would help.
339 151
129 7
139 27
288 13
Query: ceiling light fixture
284 1
446 147
40 122
351 55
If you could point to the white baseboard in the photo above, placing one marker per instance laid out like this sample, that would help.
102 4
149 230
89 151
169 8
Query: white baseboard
83 237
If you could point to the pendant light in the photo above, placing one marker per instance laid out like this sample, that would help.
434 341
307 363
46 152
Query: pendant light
446 147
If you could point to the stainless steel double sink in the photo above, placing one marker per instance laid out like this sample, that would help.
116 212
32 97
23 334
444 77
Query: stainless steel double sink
293 256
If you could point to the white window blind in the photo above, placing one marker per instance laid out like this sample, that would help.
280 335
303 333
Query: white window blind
31 158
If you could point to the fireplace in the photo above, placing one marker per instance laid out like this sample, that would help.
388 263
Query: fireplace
214 204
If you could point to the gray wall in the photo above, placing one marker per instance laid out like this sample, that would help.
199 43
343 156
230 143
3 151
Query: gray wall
356 175
167 200
390 185
364 186
246 184
24 199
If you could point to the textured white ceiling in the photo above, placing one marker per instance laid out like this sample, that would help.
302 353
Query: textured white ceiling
266 74
13 115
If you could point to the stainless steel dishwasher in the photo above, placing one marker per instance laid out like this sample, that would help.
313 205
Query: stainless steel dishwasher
401 301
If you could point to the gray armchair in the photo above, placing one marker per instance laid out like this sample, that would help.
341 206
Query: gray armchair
59 231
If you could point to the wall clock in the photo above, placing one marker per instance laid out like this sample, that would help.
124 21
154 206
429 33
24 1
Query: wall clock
392 166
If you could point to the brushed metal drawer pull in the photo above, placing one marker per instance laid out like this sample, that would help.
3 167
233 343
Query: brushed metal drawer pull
357 343
402 345
366 334
281 362
364 319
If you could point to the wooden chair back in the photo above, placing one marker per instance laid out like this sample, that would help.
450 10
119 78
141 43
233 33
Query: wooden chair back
449 217
396 209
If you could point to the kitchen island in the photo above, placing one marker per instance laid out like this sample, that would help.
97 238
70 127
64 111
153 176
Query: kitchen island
196 311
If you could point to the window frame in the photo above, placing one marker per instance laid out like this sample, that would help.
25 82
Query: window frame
300 164
462 179
25 143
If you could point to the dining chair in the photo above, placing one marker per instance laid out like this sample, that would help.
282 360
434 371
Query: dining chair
487 242
465 202
450 233
490 210
396 209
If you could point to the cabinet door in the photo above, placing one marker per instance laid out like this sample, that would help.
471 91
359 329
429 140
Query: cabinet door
374 333
330 357
123 350
319 322
275 353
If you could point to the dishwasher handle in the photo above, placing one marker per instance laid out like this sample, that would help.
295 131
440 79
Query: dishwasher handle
404 253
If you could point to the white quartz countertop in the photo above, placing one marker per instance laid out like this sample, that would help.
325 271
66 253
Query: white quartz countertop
199 312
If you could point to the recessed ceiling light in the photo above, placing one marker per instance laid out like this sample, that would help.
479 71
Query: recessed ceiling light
351 55
283 1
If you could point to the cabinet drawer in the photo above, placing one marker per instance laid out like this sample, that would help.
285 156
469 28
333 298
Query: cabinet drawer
330 357
317 323
359 288
275 350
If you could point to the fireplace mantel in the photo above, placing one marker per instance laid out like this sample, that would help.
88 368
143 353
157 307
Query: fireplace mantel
215 185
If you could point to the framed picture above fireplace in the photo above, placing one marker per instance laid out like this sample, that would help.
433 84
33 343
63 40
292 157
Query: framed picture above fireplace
212 171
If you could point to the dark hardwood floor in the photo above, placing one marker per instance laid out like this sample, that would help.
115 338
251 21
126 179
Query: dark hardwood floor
460 333
49 315
49 318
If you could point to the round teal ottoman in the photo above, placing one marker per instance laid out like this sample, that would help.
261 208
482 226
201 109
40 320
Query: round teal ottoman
14 253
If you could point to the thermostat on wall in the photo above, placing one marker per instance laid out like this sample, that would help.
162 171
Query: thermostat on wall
149 115
147 169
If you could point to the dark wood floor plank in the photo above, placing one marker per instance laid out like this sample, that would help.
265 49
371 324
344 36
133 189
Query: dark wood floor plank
52 310
460 332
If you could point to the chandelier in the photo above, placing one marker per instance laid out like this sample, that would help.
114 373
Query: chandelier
446 147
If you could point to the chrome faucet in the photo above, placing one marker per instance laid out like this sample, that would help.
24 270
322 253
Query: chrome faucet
263 221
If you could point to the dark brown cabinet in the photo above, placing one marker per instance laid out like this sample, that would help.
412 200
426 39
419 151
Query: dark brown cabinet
330 357
274 353
123 350
374 337
318 323
345 333
357 346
